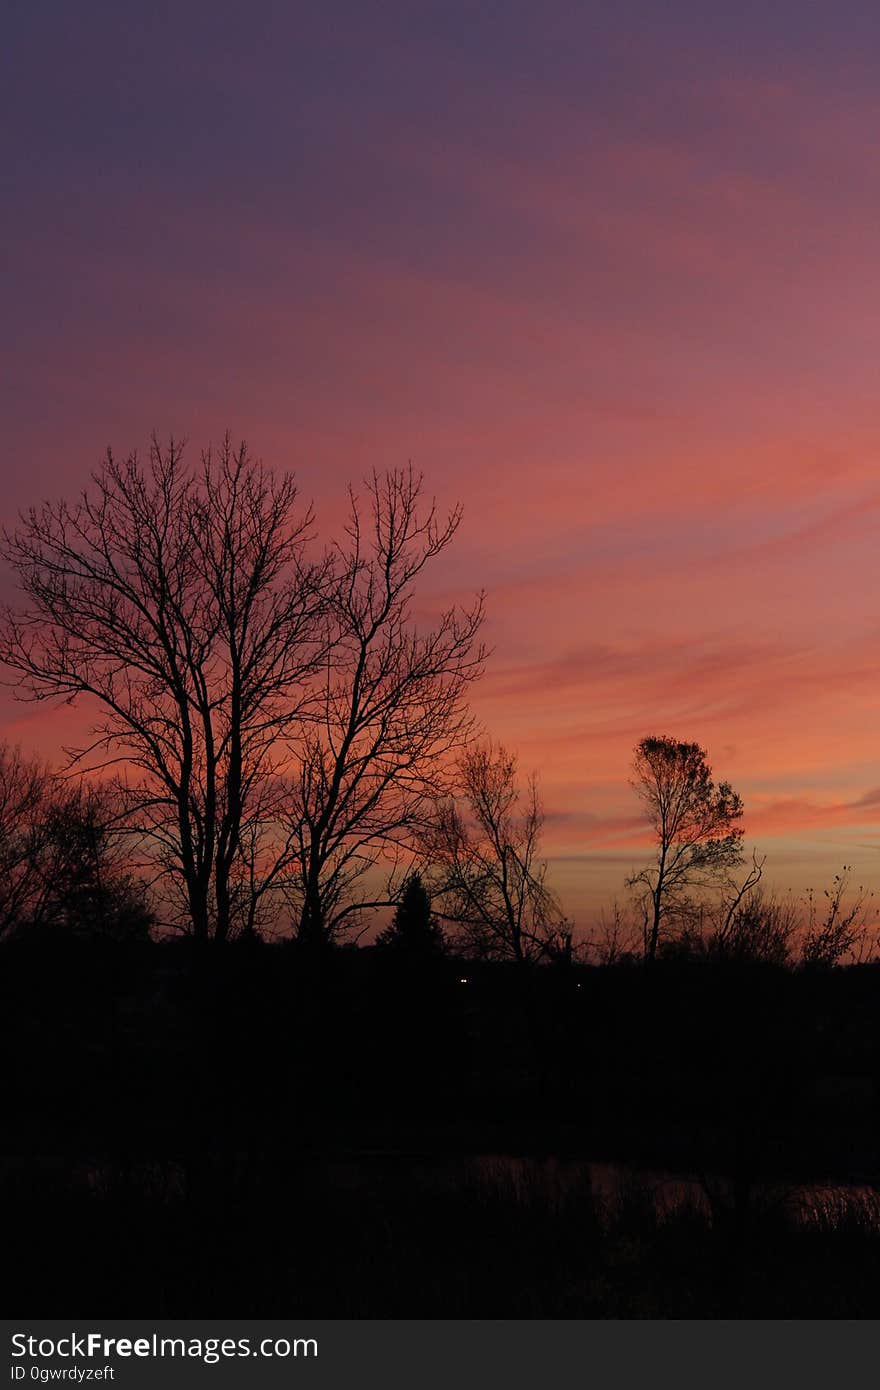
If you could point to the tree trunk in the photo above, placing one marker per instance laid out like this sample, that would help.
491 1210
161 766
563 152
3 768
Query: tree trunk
311 931
198 908
655 931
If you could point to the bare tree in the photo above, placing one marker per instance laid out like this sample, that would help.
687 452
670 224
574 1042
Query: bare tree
86 885
698 842
752 925
182 604
489 881
617 938
842 930
389 711
739 897
25 789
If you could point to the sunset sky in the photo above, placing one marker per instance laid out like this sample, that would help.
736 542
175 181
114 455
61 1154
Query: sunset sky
608 274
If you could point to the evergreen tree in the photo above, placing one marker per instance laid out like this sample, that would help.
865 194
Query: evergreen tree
414 932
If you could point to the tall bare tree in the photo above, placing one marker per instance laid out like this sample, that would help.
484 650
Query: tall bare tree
390 708
181 603
697 839
488 877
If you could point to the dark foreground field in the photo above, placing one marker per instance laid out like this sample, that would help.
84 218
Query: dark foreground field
302 1239
253 1132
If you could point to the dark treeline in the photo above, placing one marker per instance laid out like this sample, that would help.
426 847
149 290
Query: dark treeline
282 970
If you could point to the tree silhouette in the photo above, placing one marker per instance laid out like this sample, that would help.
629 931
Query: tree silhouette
698 842
760 929
390 708
86 888
181 602
414 933
25 788
748 924
483 845
842 929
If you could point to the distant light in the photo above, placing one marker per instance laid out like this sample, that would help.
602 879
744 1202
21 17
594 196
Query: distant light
463 980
